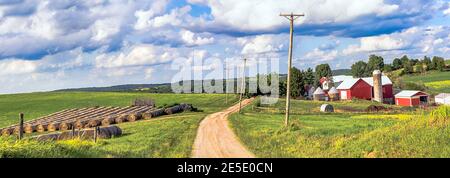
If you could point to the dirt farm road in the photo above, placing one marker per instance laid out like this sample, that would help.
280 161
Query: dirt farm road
215 139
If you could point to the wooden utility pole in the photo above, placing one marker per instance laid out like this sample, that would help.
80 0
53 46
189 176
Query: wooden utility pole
242 85
291 17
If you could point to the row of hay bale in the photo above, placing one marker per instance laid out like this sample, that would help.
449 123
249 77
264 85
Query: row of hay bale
85 134
93 117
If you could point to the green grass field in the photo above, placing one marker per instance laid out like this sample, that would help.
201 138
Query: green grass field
311 134
167 136
437 82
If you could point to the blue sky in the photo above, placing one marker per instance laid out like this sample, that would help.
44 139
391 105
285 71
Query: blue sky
56 44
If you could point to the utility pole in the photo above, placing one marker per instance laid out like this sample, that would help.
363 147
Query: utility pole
242 85
291 17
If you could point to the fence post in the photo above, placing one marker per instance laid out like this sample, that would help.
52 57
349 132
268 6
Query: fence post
95 134
21 126
73 130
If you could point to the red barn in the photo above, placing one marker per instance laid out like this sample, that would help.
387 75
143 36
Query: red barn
355 88
388 91
411 98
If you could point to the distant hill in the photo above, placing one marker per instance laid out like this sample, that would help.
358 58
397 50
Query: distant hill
121 88
342 72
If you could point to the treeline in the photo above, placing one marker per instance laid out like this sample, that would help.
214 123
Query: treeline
406 65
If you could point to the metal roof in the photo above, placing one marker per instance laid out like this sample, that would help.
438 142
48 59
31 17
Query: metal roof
333 91
407 93
347 84
384 80
319 91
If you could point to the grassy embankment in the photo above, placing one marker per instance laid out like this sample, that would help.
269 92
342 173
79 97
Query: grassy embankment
167 136
397 133
437 82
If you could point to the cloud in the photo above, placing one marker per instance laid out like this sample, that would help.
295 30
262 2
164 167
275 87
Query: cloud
261 44
137 55
192 39
347 18
378 43
14 67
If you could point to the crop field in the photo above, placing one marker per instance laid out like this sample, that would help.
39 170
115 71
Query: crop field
437 82
166 136
395 133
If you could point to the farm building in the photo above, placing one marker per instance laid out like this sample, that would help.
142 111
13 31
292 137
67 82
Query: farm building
326 83
319 94
355 88
363 88
333 94
443 98
411 98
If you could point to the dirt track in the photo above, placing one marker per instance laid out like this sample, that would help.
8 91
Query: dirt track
215 139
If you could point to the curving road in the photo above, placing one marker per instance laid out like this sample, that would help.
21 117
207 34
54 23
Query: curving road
215 139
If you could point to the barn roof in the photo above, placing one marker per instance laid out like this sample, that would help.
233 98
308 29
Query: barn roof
319 91
384 79
347 84
333 91
408 93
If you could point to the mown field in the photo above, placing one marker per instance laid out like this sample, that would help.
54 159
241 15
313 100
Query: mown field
437 82
396 133
167 136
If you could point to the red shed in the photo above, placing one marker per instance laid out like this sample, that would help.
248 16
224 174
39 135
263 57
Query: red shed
355 88
411 98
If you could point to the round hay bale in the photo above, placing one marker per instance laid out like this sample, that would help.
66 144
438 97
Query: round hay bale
6 132
53 127
326 108
78 124
120 119
29 128
93 123
65 126
132 117
108 121
40 128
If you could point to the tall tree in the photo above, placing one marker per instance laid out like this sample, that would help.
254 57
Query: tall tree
426 63
309 76
322 70
297 83
407 67
359 69
375 63
405 61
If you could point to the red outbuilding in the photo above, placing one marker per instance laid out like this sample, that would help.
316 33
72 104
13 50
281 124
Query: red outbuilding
411 98
355 88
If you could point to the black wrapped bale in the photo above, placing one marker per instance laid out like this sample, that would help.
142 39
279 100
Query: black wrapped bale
86 134
173 110
133 117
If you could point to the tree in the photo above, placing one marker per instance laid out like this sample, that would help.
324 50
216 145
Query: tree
297 83
309 76
426 63
375 63
322 70
438 63
388 68
405 61
359 69
397 64
408 67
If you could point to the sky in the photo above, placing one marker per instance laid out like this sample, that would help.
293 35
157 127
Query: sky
56 44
